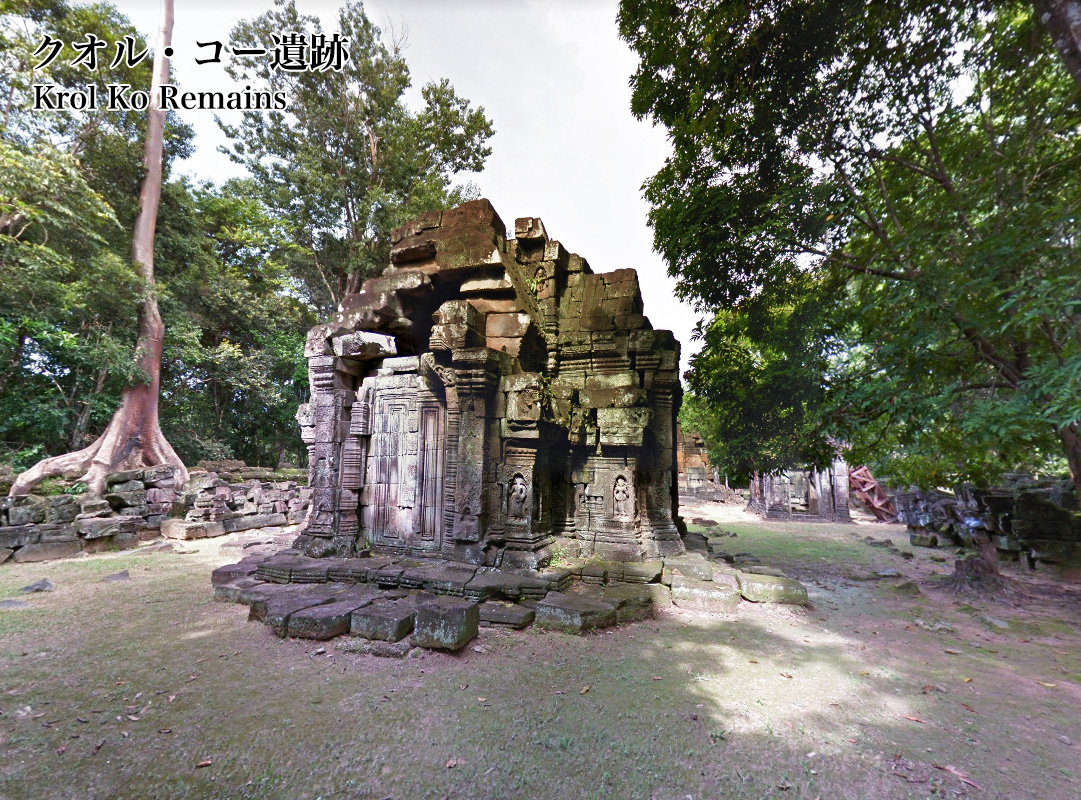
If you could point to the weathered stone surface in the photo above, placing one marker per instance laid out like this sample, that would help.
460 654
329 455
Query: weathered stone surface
232 572
44 585
505 615
47 552
923 539
648 571
278 603
699 595
251 521
691 565
632 602
474 400
486 585
771 589
759 570
573 614
660 594
184 529
230 592
5 554
331 619
20 535
445 623
385 620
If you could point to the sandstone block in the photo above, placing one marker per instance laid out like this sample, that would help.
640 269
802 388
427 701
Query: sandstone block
47 552
699 595
771 589
632 602
446 623
329 620
185 529
385 620
691 565
573 614
505 615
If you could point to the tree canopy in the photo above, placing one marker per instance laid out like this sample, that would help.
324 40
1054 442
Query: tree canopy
919 160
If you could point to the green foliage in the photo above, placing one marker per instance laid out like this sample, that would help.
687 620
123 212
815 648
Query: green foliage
349 161
920 159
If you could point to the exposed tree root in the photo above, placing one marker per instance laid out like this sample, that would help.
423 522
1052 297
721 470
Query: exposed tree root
975 577
133 440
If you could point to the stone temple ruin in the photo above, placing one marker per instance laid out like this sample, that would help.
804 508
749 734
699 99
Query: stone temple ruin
485 397
491 437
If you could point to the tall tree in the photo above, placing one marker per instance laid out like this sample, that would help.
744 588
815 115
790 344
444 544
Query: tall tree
347 161
924 154
133 437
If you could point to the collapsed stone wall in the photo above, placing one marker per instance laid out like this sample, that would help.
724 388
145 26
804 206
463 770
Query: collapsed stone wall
486 397
141 505
1035 522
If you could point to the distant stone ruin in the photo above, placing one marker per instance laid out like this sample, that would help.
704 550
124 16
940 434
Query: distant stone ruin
810 495
485 398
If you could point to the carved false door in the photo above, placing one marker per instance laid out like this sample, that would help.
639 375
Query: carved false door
403 498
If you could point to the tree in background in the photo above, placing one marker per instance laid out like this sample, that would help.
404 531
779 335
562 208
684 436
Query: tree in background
921 160
348 161
133 437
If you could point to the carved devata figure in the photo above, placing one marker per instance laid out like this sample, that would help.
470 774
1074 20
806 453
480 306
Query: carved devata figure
475 400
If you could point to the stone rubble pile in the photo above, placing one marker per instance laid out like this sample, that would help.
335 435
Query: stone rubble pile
1035 522
141 505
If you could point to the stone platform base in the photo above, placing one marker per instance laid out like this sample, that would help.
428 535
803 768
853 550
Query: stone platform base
440 604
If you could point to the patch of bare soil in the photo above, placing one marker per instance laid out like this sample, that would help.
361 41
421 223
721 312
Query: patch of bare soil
886 686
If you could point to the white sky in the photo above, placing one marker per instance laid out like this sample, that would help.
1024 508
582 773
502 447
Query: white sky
552 77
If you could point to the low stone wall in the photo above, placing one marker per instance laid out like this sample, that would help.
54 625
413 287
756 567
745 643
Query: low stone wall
141 505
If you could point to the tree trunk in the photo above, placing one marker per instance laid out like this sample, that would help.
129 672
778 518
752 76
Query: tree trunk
133 438
1062 19
1070 436
978 574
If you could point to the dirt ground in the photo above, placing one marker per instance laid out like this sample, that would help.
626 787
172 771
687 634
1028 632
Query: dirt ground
885 687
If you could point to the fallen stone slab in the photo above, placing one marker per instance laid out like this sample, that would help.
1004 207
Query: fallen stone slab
278 603
100 527
558 578
505 615
5 554
348 570
44 585
647 571
449 580
185 529
47 552
117 577
375 647
11 605
279 568
384 620
776 573
446 623
923 539
699 595
331 619
660 595
251 521
233 572
485 585
229 592
573 614
771 589
632 602
690 565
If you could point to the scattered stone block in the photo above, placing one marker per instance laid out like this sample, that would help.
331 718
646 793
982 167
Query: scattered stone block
377 648
776 573
573 614
385 620
278 603
648 571
771 589
117 577
485 585
558 578
47 552
923 539
230 591
232 572
632 602
249 522
446 623
449 580
660 595
699 595
44 585
187 529
331 619
690 565
505 615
